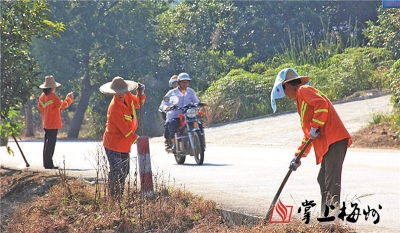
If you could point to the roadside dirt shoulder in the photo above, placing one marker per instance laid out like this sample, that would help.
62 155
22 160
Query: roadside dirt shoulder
377 136
19 187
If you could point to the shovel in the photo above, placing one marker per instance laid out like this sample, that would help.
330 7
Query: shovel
284 181
22 153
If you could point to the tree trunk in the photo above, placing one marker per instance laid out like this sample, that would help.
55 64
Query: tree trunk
86 92
3 141
28 119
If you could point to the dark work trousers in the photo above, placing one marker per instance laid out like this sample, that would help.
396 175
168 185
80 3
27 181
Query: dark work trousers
50 138
330 175
119 170
173 127
166 132
174 124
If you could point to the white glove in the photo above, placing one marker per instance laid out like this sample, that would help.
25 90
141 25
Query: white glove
293 165
71 94
314 132
141 87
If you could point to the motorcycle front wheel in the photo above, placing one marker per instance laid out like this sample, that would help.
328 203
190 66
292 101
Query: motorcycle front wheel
180 159
198 150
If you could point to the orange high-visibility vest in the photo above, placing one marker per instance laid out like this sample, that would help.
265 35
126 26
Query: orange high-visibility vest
317 111
122 123
50 106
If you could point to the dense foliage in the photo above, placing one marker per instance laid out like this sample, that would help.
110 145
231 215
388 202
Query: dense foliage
232 51
394 83
21 22
102 40
354 70
241 94
384 32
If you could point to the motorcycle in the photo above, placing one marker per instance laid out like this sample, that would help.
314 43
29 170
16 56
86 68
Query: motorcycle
190 138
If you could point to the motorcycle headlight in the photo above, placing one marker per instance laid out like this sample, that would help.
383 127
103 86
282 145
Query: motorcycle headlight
191 113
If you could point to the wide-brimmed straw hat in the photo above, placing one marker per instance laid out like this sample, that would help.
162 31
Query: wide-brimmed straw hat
283 77
118 86
291 74
49 82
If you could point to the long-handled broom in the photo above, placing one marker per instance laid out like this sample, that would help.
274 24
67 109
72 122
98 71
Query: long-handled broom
284 182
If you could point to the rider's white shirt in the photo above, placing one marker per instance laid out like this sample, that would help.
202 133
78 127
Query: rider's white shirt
183 99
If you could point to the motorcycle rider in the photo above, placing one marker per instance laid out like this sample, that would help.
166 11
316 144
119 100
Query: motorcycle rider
185 95
173 83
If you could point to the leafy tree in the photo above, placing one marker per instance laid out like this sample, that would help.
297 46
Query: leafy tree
264 26
385 31
21 22
193 36
149 42
197 36
102 40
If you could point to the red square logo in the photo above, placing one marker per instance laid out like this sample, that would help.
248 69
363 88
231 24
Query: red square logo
280 213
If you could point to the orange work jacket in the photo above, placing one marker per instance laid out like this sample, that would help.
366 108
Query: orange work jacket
317 111
122 123
50 106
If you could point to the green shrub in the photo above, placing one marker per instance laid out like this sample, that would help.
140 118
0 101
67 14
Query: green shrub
241 95
394 80
258 68
377 118
355 70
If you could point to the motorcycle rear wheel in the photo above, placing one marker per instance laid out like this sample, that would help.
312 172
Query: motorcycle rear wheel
198 151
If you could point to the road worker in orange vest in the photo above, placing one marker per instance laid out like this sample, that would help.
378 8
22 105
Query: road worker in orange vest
320 122
120 132
50 105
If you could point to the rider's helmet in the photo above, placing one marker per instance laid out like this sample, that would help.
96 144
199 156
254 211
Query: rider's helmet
172 80
183 77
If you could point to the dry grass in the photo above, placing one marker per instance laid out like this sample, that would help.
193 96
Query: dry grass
73 205
79 211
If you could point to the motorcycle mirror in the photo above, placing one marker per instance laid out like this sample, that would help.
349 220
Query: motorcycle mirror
166 99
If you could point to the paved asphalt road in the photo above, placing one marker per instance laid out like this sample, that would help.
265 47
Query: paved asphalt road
246 162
